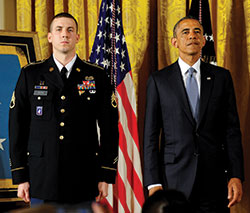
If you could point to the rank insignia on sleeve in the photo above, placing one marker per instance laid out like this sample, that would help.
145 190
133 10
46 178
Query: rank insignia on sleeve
39 110
13 101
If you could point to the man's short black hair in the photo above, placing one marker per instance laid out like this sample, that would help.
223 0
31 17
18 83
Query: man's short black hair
166 201
184 18
65 15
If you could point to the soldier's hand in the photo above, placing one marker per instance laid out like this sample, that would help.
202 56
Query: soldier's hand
23 191
103 191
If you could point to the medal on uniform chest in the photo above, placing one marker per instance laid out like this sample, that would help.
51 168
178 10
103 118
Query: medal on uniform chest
87 85
40 90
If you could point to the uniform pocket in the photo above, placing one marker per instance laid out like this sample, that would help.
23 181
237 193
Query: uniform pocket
35 148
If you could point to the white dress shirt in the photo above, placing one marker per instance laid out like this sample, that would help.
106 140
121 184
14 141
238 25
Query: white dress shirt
68 66
184 67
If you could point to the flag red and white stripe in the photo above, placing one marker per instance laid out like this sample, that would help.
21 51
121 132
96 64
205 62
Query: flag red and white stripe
110 51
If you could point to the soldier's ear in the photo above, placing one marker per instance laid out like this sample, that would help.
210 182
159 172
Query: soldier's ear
49 37
77 37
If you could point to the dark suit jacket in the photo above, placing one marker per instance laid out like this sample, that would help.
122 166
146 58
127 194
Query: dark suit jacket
191 150
55 123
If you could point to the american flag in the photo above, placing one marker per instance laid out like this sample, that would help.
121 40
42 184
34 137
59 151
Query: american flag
200 10
110 52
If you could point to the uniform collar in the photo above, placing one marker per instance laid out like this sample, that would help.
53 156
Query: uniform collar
68 66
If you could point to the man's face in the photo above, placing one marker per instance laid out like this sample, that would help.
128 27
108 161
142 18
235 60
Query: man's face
189 38
63 35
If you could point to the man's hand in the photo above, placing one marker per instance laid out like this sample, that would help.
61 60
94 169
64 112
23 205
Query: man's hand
23 191
234 191
103 191
154 189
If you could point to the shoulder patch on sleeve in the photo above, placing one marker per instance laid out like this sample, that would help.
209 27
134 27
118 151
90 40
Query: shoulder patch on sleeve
91 64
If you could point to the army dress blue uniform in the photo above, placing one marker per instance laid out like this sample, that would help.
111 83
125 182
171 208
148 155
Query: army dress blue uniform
53 131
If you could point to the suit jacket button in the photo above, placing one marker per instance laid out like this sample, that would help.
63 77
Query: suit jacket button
62 111
63 97
62 124
61 137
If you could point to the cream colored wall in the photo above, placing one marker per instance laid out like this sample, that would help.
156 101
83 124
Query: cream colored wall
8 14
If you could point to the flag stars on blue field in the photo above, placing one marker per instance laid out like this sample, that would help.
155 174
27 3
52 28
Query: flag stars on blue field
122 66
100 34
118 9
209 37
118 23
105 34
123 53
117 37
101 21
1 141
98 49
102 47
117 51
111 8
123 39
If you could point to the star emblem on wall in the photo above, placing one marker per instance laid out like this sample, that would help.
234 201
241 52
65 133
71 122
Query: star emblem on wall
1 141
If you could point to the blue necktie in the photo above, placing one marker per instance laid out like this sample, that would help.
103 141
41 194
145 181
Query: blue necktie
192 91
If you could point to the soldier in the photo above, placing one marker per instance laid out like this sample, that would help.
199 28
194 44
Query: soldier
57 103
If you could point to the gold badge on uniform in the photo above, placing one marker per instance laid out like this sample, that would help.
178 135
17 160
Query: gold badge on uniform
51 69
78 69
42 83
89 78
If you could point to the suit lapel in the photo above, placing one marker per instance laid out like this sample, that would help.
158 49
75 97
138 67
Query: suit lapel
176 82
207 80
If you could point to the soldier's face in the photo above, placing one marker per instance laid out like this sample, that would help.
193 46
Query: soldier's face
63 35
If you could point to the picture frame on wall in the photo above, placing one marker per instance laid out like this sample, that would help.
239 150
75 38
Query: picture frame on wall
17 49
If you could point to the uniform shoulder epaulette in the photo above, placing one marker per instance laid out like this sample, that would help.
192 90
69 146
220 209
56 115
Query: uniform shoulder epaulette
34 63
92 64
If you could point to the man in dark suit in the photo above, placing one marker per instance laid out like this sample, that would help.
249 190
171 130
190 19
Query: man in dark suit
55 152
200 152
